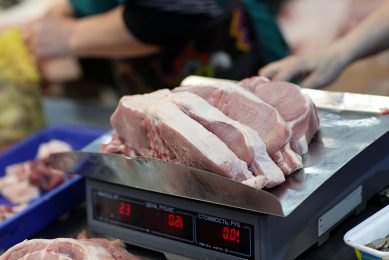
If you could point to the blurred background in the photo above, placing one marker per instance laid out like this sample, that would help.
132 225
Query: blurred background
33 94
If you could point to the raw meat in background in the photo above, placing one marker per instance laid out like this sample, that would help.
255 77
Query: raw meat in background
23 181
68 248
310 25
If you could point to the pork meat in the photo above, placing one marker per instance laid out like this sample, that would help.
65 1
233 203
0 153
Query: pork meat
243 106
159 129
68 249
241 139
297 109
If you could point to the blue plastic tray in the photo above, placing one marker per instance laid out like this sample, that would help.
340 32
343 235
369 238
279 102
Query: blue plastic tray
50 205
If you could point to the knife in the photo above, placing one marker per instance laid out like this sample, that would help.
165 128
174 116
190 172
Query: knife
167 178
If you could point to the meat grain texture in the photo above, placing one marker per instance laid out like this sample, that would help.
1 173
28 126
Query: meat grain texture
68 249
254 132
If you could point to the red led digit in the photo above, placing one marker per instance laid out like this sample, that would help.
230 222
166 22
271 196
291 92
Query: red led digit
178 223
231 234
175 221
125 209
171 220
226 233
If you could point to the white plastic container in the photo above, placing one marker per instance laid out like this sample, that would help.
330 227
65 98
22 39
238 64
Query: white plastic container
376 226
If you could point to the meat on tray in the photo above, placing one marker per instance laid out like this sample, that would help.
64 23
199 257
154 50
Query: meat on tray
241 131
68 248
15 185
243 106
297 109
158 128
23 181
241 139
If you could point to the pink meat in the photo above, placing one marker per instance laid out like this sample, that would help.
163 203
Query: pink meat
45 177
241 139
22 181
159 129
297 109
117 146
248 109
38 173
67 249
53 146
15 185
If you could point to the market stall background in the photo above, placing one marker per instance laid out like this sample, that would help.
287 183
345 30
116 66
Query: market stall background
367 76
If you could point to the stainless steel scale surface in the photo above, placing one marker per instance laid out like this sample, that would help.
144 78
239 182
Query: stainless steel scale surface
187 212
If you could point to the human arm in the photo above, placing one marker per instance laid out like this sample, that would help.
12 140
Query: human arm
321 68
103 35
60 8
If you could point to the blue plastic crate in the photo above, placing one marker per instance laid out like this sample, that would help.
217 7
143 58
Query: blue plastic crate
50 205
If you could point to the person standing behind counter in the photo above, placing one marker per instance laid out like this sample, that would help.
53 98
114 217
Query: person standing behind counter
158 43
321 68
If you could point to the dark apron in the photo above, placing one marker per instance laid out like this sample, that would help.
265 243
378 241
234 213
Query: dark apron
234 49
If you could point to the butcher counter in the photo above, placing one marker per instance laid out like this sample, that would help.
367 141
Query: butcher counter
94 115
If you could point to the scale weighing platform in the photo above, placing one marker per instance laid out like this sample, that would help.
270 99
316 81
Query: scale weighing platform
190 213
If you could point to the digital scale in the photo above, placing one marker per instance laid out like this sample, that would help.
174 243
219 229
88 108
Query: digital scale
190 213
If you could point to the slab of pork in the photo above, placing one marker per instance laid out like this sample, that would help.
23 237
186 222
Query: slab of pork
243 106
241 139
159 129
297 109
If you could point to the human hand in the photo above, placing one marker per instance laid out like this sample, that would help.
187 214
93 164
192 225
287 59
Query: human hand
50 36
315 70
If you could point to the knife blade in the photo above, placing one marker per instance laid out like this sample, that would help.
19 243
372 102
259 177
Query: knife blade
167 178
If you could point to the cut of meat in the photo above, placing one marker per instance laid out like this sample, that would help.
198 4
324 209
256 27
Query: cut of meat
20 192
68 249
243 106
53 146
45 177
128 122
38 172
159 129
297 109
241 139
23 180
15 185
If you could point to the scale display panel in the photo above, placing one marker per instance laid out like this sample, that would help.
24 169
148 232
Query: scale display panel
199 229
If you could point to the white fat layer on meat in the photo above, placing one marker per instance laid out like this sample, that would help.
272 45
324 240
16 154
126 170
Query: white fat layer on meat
234 88
60 256
296 158
302 145
160 93
53 146
20 192
197 105
302 142
257 182
135 102
261 79
209 144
